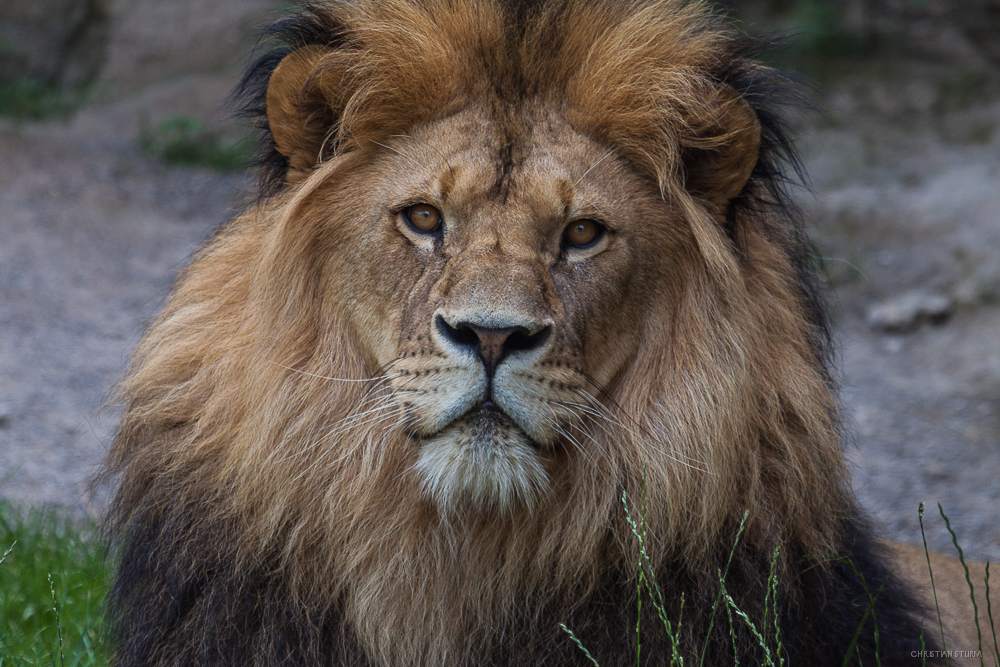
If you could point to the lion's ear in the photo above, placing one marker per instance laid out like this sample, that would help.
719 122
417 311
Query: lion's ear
302 108
718 162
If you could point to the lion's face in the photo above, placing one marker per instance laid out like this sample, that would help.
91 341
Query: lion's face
497 290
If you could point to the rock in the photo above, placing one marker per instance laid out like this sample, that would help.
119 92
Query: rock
153 40
130 42
906 312
979 21
59 42
937 472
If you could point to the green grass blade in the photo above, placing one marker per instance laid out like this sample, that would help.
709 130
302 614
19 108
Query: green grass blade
853 646
638 618
718 597
871 605
643 555
930 570
923 646
580 645
7 553
676 658
772 583
768 660
655 594
732 633
989 615
641 580
55 610
968 580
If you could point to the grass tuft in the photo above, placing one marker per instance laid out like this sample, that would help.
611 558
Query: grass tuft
34 100
53 574
186 142
52 589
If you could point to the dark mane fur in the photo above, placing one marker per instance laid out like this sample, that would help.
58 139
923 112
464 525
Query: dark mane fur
311 24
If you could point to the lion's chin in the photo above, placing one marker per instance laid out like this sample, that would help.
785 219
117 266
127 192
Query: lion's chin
482 460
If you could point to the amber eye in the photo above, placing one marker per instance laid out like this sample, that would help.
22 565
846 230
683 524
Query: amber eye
423 218
583 233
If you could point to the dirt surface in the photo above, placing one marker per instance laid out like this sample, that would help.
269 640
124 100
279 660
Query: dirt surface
92 233
906 167
907 210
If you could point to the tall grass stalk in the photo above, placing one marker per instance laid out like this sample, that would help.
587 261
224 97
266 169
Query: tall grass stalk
732 637
641 579
989 615
7 553
864 619
937 607
55 610
871 609
968 580
772 584
718 597
731 604
648 576
579 645
923 646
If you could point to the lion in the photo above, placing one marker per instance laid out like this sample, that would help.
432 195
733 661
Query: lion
521 320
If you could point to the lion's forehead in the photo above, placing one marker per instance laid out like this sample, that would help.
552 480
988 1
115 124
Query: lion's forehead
519 171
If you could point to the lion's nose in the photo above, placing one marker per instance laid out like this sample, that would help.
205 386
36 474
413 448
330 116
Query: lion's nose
492 344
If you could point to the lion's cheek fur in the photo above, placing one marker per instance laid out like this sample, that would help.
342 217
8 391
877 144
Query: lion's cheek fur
695 407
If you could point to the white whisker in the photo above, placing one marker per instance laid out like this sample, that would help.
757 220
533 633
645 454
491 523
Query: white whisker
327 377
397 152
606 155
691 462
351 450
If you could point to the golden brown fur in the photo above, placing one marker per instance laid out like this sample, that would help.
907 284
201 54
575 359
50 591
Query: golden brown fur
286 412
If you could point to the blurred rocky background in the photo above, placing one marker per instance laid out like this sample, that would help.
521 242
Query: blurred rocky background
117 160
65 43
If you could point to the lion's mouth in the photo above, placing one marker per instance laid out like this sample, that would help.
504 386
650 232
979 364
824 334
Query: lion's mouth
488 419
483 457
486 406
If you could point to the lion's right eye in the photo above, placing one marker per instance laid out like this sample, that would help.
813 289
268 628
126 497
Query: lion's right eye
423 218
583 234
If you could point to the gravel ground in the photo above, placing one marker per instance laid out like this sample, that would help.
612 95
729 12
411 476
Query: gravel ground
92 233
907 176
906 211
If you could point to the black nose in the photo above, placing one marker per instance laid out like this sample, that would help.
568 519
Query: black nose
492 344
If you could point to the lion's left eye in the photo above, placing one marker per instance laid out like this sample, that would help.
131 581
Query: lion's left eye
583 233
423 218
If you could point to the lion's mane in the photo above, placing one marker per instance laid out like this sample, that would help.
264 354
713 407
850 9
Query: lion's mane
264 515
